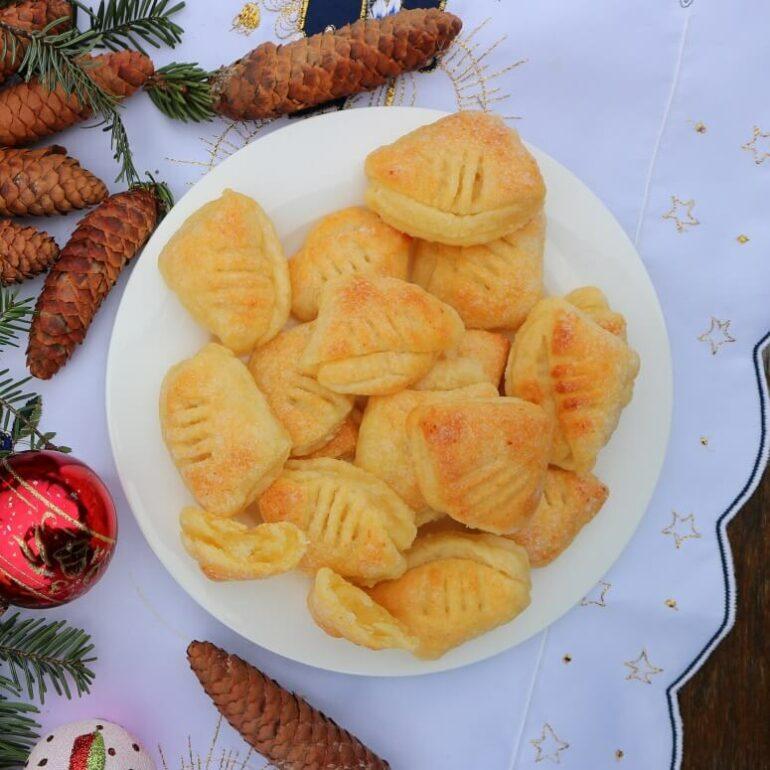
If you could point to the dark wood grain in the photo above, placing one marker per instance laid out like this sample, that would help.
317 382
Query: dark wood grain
726 706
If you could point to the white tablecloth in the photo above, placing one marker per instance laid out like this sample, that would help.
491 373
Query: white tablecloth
662 109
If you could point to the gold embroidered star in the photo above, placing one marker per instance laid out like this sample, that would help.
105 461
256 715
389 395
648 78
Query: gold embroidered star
641 668
598 596
549 746
758 145
681 213
247 19
681 528
717 334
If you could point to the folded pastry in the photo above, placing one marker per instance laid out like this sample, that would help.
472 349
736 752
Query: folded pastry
354 240
593 303
375 336
226 265
228 550
479 357
345 611
491 286
311 413
343 444
457 586
355 524
218 427
580 373
383 447
463 180
570 500
481 461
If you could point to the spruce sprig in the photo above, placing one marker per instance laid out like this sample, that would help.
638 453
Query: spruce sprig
18 732
15 316
42 654
182 91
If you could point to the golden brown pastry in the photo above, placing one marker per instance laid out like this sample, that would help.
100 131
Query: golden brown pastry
354 522
226 265
311 413
580 373
354 240
219 429
228 550
375 336
345 611
463 180
481 461
491 286
383 447
480 357
570 500
593 303
343 444
457 586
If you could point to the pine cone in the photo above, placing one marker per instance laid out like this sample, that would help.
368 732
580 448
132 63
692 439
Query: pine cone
29 14
45 182
101 246
276 80
29 111
24 252
277 723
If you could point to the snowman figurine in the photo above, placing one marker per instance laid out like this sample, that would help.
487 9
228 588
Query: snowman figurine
91 745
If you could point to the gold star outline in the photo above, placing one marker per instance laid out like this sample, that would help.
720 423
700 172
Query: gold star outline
679 531
641 669
598 595
758 145
681 214
717 334
549 746
247 19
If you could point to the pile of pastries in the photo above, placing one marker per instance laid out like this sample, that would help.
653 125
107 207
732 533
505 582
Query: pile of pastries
394 444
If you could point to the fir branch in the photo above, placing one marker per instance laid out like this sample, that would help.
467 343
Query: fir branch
182 92
15 316
20 414
18 732
39 654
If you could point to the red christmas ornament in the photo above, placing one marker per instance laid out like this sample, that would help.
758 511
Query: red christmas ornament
57 528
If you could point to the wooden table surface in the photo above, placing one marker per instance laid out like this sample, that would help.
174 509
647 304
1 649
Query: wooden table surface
726 706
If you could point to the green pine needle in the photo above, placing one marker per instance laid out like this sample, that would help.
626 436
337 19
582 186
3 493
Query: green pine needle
42 654
182 92
15 316
18 732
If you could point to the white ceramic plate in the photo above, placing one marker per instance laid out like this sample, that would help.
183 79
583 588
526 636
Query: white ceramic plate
298 174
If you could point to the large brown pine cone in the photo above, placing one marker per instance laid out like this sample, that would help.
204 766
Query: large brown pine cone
24 252
276 80
29 15
277 723
30 111
101 246
44 182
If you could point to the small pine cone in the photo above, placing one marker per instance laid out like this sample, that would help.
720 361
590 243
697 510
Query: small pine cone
45 182
277 80
29 111
101 246
29 15
24 252
277 723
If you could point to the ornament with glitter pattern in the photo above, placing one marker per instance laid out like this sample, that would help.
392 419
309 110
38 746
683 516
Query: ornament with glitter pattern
57 528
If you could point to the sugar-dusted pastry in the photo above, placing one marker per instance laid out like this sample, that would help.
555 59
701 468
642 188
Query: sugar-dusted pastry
491 286
570 500
355 523
580 373
311 413
343 444
463 180
383 447
457 586
346 611
354 240
481 461
592 302
479 357
218 427
375 336
228 550
226 265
